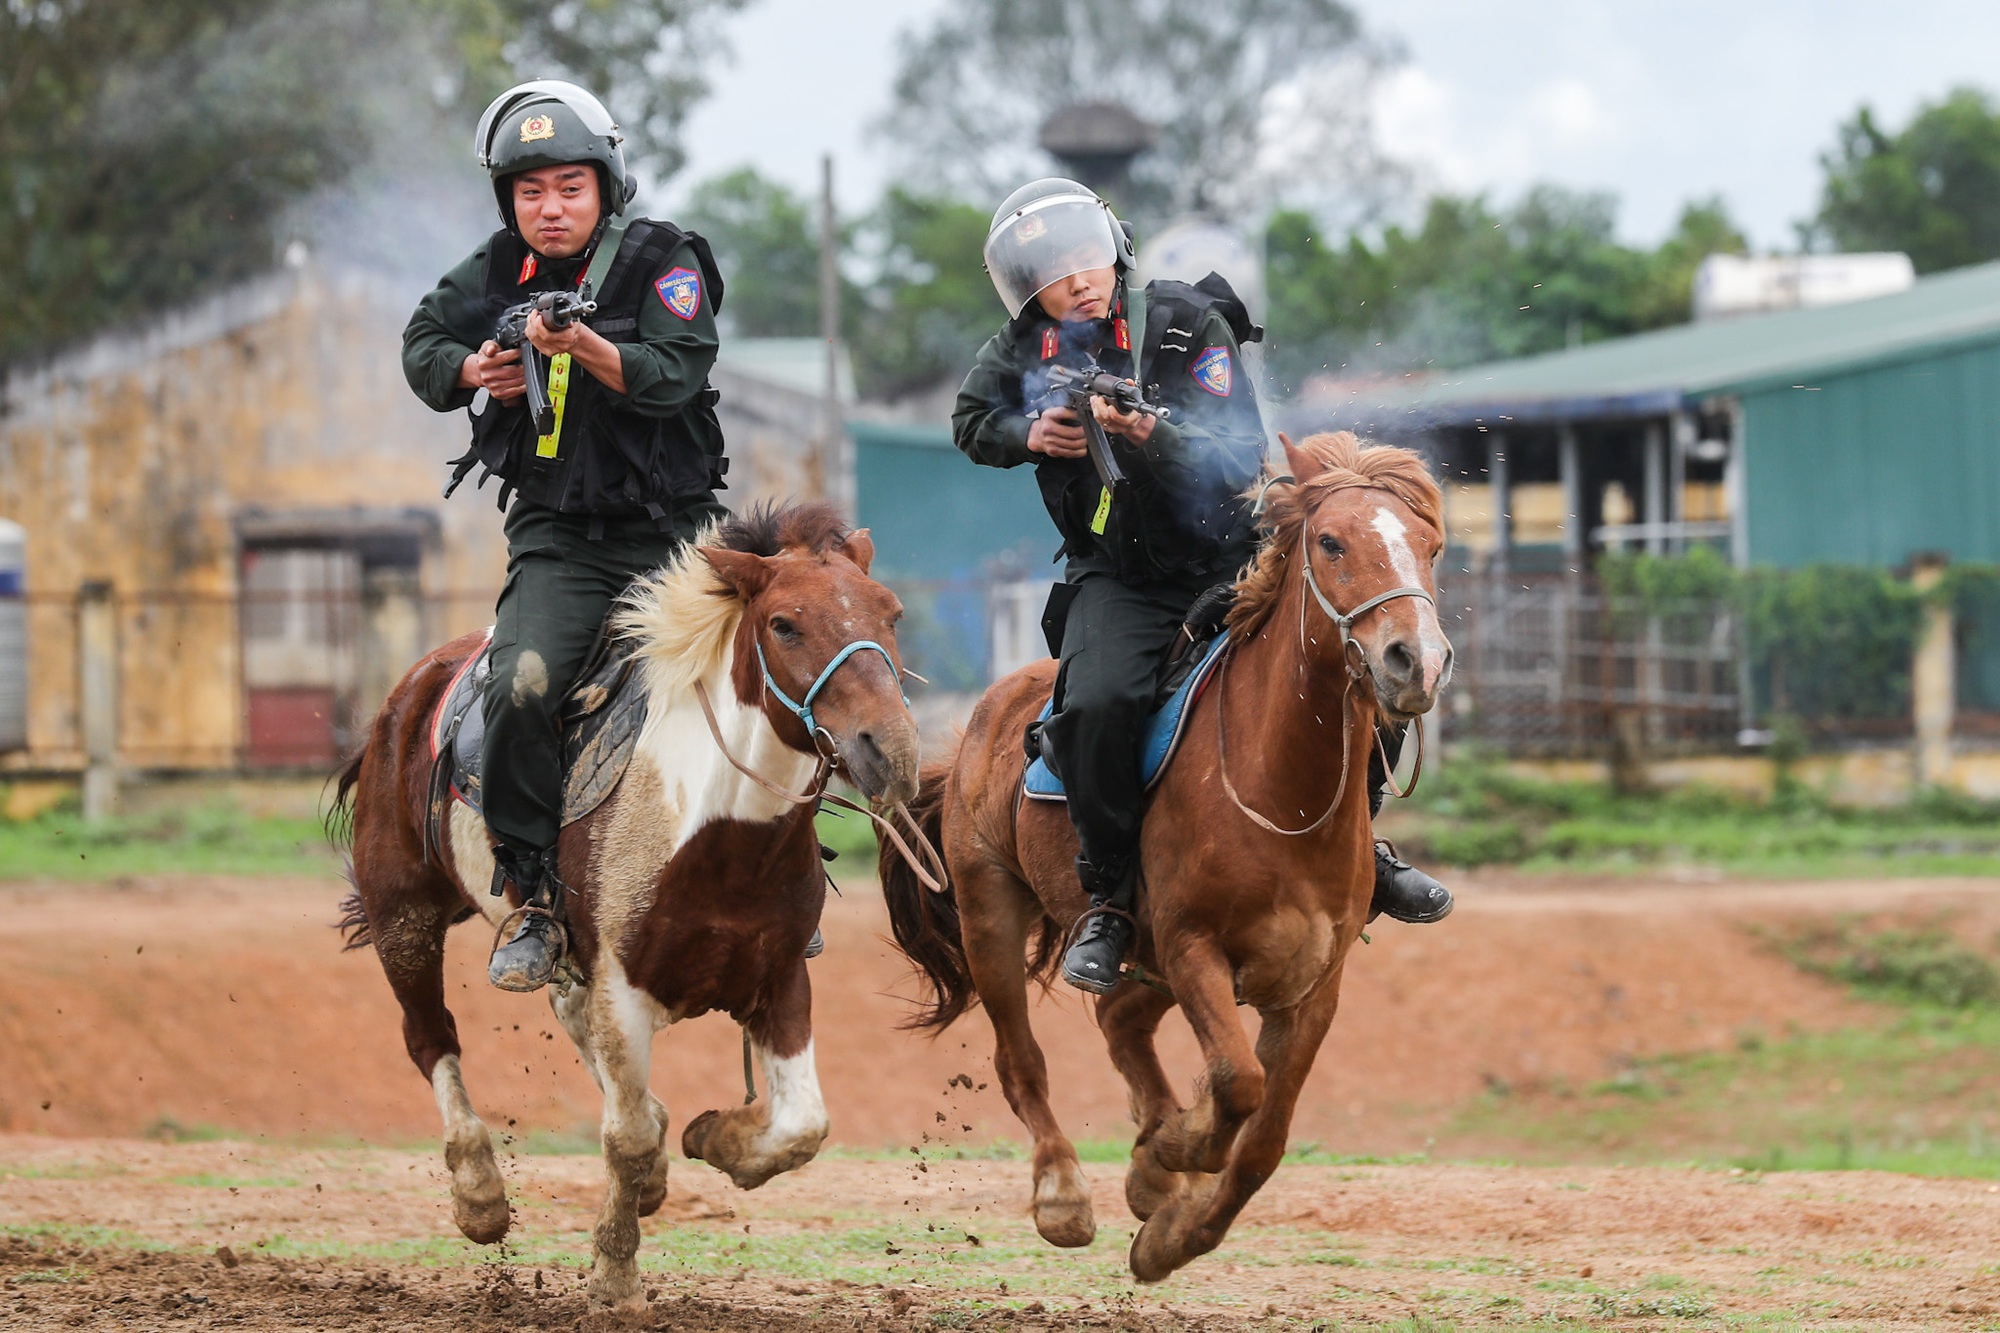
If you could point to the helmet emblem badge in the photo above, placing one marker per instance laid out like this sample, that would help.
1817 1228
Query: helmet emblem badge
538 127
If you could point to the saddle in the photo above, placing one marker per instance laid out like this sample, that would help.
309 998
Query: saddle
601 719
1199 646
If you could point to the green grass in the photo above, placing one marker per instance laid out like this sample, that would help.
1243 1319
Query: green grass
1471 814
212 840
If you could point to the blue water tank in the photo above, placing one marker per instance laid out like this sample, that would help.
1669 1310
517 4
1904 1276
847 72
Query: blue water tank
13 636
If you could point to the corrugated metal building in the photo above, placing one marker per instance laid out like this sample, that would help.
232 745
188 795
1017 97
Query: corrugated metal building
1866 433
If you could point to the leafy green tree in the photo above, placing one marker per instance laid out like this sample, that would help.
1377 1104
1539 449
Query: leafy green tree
972 92
766 240
1932 191
1473 283
931 305
151 148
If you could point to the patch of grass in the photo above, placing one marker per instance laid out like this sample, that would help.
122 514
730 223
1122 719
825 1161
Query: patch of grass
1924 965
210 840
1470 813
210 1180
1911 1095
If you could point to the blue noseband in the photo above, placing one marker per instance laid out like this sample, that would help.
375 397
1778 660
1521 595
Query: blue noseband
804 711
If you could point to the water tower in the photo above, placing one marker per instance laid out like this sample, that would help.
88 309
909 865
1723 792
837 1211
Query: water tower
1096 142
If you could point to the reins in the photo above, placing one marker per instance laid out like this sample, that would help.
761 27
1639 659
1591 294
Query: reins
928 868
1355 671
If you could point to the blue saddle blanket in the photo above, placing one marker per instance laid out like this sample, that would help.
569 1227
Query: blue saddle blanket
1163 731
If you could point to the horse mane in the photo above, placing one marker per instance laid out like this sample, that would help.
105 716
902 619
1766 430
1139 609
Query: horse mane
683 617
1345 464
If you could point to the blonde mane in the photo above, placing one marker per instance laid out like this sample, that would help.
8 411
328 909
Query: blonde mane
1345 464
684 616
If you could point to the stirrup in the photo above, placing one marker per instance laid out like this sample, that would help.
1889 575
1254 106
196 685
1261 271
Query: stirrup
559 937
1094 910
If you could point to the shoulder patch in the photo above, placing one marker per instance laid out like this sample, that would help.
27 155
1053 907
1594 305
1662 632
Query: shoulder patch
1211 371
681 290
1049 344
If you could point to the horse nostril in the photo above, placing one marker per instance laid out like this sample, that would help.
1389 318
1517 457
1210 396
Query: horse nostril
1400 661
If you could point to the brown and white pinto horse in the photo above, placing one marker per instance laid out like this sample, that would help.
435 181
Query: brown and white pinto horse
1249 895
693 886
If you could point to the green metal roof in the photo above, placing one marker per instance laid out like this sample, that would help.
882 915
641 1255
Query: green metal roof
1651 373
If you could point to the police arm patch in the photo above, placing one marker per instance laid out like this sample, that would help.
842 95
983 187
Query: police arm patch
681 291
1212 372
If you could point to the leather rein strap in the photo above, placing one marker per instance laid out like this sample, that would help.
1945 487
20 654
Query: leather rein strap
928 868
1343 622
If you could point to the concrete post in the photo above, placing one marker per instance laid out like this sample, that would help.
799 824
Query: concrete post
1933 687
1680 439
1570 465
97 697
1500 494
1654 513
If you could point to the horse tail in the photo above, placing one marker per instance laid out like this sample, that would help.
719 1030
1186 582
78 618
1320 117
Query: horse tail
353 923
925 921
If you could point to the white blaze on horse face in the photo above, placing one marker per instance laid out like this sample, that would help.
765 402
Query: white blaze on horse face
1430 635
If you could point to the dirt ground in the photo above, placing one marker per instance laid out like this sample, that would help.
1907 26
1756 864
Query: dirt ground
225 1004
119 1235
220 1011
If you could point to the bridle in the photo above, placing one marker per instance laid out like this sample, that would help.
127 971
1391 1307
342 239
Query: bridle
929 869
1356 663
822 739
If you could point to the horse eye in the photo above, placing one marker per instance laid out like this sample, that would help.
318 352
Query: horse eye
784 628
1333 549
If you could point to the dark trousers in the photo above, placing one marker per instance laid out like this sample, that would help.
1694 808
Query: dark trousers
559 586
1115 640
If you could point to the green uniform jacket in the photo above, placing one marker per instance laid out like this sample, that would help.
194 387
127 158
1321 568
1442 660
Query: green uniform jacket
666 356
1200 461
664 369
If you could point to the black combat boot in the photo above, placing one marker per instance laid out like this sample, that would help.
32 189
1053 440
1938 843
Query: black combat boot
1405 892
530 959
1102 934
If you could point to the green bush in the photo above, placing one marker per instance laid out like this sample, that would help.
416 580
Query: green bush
1914 966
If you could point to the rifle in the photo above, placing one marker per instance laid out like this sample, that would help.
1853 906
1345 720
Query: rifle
1093 381
558 310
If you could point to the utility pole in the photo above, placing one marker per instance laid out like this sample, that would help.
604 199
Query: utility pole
836 472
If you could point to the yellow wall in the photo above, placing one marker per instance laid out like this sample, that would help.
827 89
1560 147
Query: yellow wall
129 461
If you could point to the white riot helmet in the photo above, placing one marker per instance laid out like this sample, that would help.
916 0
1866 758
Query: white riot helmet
1047 230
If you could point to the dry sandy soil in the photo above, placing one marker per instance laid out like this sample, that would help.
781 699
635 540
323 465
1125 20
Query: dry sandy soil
223 1007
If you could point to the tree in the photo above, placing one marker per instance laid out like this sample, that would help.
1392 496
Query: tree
971 93
931 305
1932 191
1472 283
151 148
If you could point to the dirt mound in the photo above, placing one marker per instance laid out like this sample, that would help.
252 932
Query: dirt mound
181 1005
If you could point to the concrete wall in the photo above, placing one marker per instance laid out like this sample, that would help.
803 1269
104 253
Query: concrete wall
131 461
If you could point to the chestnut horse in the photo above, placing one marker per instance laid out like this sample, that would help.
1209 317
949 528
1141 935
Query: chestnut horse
1248 893
695 885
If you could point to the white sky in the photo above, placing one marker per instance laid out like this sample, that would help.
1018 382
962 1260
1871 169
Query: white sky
1655 100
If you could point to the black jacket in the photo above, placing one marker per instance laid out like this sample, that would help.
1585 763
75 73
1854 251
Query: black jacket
1186 514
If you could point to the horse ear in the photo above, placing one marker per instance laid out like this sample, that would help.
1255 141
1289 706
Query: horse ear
744 571
860 548
1304 466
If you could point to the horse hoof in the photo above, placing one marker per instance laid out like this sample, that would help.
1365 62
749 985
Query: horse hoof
1066 1223
1152 1258
694 1139
1149 1187
481 1221
616 1292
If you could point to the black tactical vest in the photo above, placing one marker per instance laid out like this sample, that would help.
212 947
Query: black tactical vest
607 459
1150 534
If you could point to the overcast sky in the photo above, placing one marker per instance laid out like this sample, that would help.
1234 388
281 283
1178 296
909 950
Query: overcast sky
1657 101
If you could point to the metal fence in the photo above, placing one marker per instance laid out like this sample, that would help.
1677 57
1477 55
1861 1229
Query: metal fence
1556 667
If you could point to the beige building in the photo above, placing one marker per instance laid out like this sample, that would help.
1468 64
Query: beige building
234 538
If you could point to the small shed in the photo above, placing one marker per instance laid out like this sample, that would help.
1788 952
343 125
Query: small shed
1865 433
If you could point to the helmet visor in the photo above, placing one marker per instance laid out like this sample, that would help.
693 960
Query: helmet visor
1045 241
